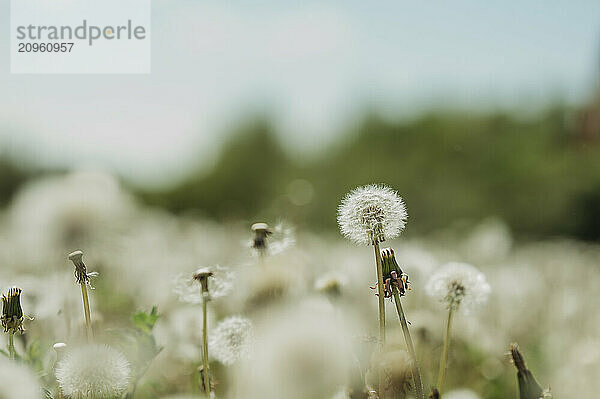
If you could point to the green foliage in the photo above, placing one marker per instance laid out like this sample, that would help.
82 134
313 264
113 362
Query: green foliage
536 174
145 321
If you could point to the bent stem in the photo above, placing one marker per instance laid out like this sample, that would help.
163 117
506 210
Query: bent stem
11 345
86 310
205 345
411 348
444 360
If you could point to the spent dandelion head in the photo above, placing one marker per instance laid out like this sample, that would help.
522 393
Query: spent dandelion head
81 274
12 313
93 372
459 285
267 240
372 214
217 281
394 279
231 340
260 233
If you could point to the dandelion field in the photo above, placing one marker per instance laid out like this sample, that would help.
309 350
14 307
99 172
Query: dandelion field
289 313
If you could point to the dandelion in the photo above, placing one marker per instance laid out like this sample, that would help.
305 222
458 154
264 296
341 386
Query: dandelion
528 386
220 279
17 381
369 215
270 241
231 340
83 279
396 285
12 317
458 286
93 372
372 213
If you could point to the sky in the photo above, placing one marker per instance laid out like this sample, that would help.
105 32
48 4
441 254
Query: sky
314 67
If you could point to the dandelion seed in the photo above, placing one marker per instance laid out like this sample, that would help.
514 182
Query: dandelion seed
459 285
93 372
17 381
231 340
219 280
372 213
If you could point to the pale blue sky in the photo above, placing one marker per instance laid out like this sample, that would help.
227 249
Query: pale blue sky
314 66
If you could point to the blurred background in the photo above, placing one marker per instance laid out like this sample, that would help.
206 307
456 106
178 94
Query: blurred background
484 116
273 109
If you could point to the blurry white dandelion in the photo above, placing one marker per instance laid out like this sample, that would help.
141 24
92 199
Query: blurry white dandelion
17 381
459 285
220 284
231 340
93 372
372 213
271 241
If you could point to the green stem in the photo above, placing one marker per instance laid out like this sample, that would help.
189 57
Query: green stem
205 344
444 360
411 348
11 345
86 310
380 295
381 305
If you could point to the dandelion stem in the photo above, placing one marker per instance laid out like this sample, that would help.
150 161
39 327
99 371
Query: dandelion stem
86 310
11 345
380 295
205 344
444 360
381 302
411 348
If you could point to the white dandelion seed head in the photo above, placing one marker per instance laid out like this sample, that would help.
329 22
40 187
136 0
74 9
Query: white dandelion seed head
373 212
93 372
17 381
220 284
231 340
459 286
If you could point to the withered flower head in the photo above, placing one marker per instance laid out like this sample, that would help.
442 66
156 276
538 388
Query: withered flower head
394 279
81 274
202 275
261 232
12 314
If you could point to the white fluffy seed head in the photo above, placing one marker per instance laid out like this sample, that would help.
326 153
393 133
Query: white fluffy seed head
231 340
93 372
459 286
220 284
373 212
17 381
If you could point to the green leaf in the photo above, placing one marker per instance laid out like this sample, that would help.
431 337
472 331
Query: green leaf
145 321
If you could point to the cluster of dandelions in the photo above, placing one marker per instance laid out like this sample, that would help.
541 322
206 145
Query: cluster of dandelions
375 213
